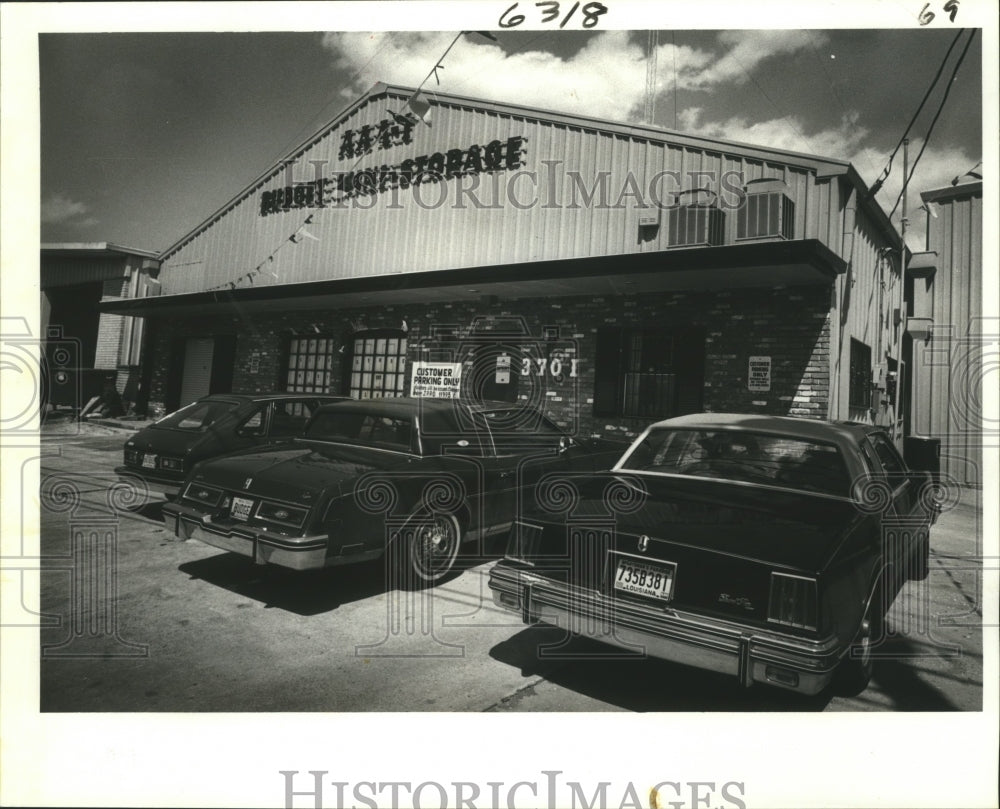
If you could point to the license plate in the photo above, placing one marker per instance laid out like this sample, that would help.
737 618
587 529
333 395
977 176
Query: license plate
240 509
149 461
655 581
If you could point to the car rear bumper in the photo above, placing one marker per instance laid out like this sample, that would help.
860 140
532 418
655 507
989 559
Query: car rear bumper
744 652
155 483
297 553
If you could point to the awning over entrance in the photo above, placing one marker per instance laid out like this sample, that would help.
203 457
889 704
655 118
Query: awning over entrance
741 266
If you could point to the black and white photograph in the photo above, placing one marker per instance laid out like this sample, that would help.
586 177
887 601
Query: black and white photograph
472 404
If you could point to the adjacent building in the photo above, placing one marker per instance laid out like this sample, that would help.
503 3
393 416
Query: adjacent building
609 273
949 335
85 347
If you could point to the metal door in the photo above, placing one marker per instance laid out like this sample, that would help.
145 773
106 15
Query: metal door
197 377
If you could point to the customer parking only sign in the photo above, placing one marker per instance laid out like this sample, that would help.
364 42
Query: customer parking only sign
436 380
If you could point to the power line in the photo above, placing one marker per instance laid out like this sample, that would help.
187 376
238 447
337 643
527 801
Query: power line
295 139
888 168
937 115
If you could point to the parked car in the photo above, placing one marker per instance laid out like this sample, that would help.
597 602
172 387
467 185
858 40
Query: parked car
768 548
415 477
163 454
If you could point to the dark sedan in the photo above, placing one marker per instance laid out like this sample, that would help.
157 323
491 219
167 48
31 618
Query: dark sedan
414 477
767 548
163 454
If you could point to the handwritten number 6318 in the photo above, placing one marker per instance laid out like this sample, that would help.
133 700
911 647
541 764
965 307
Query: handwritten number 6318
551 11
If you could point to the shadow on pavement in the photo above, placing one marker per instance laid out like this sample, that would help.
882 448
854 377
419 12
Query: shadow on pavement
634 682
308 592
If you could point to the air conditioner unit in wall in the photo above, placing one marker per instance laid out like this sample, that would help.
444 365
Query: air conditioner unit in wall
767 211
768 215
696 224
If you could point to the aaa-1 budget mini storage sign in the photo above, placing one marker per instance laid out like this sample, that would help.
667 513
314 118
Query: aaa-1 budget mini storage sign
436 380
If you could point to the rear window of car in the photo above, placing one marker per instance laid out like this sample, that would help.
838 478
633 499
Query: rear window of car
742 456
197 416
363 429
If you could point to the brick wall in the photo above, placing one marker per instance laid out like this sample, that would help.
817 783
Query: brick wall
789 325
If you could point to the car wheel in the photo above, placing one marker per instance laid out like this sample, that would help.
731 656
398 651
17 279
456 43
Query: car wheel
855 669
429 550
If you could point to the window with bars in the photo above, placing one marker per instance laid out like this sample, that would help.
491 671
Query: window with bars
378 364
310 364
860 394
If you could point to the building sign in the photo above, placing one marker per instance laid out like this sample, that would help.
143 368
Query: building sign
342 186
436 380
759 374
389 132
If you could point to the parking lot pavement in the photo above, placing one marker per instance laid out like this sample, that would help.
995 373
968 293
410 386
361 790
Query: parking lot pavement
181 626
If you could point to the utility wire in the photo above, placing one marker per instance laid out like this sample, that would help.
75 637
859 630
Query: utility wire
888 168
927 137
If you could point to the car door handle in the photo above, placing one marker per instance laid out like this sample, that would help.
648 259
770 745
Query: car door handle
509 473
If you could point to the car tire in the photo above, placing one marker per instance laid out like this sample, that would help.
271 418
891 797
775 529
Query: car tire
427 550
856 667
920 563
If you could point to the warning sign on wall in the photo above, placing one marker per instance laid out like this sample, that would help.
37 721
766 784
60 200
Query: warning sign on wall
436 380
503 369
759 374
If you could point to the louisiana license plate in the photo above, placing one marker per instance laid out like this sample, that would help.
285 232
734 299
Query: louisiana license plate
641 578
149 461
240 509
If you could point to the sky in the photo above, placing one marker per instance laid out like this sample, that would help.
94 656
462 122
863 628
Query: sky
143 135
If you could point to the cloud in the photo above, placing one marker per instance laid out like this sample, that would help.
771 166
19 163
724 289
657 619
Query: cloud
938 165
746 50
605 79
786 133
60 209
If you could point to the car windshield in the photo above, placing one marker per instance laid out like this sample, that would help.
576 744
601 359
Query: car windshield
738 455
361 428
197 416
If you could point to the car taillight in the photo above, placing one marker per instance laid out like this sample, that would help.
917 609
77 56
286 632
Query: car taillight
281 513
792 601
205 495
133 456
522 544
176 464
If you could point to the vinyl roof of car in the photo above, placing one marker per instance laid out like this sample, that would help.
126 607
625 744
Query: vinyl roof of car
411 404
810 429
261 397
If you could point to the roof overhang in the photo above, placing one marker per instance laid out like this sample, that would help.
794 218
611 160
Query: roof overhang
92 250
953 192
743 266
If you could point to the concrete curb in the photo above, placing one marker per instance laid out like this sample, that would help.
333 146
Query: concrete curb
133 426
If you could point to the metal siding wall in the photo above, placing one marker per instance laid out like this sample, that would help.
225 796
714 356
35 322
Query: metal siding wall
59 272
384 239
948 374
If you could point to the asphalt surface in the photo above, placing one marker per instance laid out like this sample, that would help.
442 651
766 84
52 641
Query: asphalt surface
181 626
